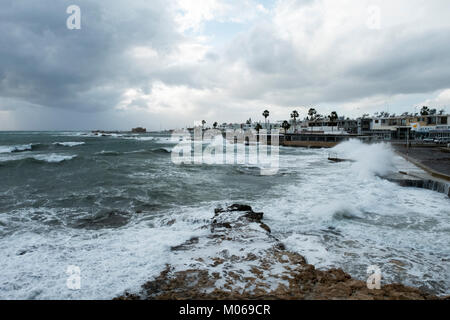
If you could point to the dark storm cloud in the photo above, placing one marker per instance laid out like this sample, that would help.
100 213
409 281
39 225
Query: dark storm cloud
132 60
415 63
314 63
44 63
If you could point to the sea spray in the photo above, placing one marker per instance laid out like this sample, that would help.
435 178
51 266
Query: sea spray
375 159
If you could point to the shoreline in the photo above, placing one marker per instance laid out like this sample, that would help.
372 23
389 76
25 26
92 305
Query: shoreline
268 272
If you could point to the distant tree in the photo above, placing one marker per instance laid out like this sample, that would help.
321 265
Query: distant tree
433 112
258 127
295 115
215 124
425 111
312 113
266 114
333 118
286 126
441 112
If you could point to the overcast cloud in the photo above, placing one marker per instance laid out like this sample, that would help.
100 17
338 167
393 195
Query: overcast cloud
166 64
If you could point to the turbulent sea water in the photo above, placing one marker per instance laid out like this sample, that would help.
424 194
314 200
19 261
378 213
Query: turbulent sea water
104 203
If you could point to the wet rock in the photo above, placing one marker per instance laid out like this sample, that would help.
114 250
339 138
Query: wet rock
264 270
171 222
189 244
239 207
103 220
254 216
265 227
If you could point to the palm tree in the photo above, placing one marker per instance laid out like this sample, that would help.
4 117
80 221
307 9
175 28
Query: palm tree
333 117
295 115
215 125
286 126
312 114
266 115
258 127
203 123
425 111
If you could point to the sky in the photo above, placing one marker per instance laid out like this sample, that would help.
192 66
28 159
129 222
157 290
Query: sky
166 64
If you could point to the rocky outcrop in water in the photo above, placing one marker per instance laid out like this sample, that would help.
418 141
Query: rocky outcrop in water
240 259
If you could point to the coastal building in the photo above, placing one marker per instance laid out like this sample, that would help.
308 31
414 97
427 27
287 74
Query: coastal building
318 139
139 130
405 126
340 126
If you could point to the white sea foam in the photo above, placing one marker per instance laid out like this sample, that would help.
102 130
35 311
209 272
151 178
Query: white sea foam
53 157
343 215
335 214
49 157
144 138
69 144
371 159
110 261
16 148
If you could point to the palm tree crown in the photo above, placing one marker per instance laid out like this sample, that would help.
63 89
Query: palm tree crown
286 126
266 115
333 116
312 113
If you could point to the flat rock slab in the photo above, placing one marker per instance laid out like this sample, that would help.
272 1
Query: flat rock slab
240 259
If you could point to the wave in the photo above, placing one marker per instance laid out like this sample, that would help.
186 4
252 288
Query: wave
53 157
18 148
108 153
370 159
47 158
162 150
68 144
142 151
140 138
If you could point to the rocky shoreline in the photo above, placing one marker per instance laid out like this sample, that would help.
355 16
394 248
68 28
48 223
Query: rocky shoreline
224 266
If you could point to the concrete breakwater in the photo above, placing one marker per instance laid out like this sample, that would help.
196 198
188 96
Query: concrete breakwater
420 174
420 181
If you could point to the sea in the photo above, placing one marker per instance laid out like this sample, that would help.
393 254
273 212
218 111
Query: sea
111 207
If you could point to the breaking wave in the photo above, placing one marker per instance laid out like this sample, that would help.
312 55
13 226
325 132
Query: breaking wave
369 159
68 144
47 158
18 148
